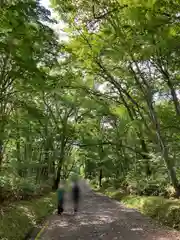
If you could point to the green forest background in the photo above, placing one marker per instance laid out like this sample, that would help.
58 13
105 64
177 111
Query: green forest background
103 104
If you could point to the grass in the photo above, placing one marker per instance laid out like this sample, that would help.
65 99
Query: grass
166 211
19 218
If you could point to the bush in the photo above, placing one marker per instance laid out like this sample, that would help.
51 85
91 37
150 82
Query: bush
19 218
94 183
16 188
154 185
107 183
26 188
166 211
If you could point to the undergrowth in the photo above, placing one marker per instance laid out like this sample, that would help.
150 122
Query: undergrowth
166 211
19 218
14 188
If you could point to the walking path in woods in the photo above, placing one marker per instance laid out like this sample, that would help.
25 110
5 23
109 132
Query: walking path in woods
100 217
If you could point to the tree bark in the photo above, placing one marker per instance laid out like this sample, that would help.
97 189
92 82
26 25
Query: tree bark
148 95
1 153
145 157
57 179
100 178
174 97
170 84
163 147
61 159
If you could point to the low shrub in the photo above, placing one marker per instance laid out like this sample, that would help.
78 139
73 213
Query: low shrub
148 186
166 211
16 188
19 218
94 183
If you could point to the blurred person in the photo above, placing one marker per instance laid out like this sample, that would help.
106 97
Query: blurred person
75 195
60 197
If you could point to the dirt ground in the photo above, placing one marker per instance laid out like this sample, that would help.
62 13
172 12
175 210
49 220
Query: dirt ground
100 217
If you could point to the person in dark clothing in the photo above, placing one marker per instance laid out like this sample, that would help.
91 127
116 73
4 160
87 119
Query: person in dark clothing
75 195
60 196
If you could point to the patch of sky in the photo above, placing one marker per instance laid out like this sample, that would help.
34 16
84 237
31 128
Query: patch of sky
57 27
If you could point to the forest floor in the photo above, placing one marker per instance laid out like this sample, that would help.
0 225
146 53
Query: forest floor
100 217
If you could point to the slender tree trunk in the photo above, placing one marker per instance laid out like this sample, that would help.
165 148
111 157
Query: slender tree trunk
47 148
145 157
147 91
1 160
18 146
163 147
100 177
1 153
174 97
170 84
18 156
61 159
57 179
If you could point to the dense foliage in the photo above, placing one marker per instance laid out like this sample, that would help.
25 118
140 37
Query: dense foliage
105 103
25 216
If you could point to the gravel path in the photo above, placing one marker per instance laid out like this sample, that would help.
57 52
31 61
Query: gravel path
102 218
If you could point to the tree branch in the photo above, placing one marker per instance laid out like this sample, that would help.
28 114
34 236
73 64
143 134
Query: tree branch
110 143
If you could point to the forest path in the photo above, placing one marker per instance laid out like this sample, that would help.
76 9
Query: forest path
100 217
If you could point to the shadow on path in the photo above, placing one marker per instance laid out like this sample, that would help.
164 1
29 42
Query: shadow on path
102 218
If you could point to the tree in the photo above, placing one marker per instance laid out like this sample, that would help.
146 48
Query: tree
132 47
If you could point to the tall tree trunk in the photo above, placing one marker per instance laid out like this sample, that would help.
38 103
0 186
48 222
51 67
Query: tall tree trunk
145 157
100 177
18 146
46 151
57 178
1 153
174 97
170 84
163 147
61 159
145 87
